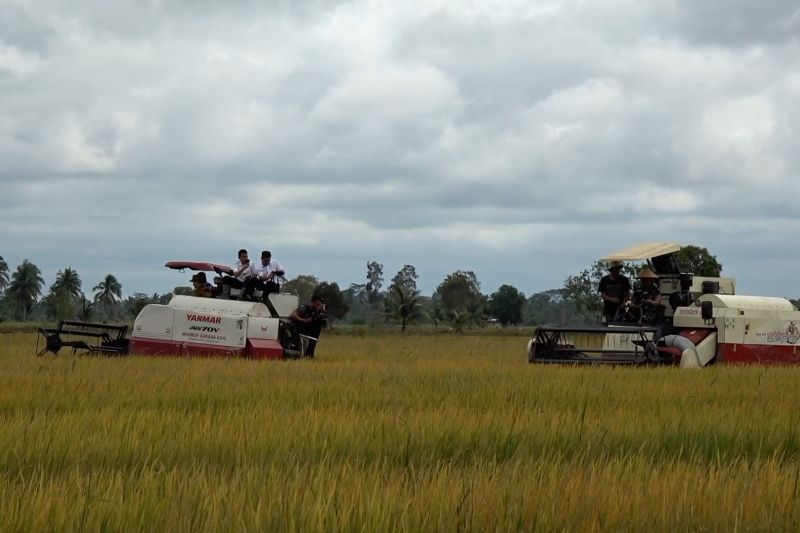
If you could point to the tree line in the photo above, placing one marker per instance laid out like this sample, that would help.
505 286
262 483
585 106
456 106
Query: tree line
457 302
22 297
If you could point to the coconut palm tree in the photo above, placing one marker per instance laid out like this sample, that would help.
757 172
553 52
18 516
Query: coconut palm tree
108 292
25 288
65 294
68 282
3 275
404 305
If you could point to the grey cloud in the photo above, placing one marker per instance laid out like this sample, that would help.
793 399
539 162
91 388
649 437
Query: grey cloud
21 28
521 141
739 22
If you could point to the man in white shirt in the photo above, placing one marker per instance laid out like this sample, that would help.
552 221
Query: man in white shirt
243 270
265 277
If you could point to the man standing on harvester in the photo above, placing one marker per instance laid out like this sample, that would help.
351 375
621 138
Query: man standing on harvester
615 289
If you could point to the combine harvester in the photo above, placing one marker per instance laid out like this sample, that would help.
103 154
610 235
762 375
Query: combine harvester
190 326
703 322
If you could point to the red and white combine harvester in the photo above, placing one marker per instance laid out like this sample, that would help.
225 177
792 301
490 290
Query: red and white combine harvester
192 326
701 322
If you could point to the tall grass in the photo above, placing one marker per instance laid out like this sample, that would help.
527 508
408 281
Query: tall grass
392 433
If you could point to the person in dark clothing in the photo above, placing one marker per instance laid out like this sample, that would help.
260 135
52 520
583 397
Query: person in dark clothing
647 290
645 304
615 289
308 322
201 286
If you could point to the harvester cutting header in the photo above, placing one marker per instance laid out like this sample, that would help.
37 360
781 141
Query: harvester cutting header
674 318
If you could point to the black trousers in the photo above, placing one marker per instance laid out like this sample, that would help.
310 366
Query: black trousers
310 330
267 287
232 282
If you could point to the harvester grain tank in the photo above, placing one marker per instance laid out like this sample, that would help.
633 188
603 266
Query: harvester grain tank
189 325
703 322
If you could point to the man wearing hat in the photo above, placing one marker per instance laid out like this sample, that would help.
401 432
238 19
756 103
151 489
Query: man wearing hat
615 289
645 299
650 295
202 287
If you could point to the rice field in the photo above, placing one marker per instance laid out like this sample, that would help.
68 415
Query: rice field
393 433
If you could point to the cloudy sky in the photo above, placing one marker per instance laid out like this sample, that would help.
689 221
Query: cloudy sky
520 139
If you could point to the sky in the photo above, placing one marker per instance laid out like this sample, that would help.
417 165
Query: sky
519 139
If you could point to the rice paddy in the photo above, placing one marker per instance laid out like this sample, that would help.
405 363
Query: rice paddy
393 433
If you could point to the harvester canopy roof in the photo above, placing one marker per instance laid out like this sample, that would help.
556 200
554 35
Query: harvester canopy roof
642 251
205 266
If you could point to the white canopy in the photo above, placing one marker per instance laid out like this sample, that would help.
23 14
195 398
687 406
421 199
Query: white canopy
642 251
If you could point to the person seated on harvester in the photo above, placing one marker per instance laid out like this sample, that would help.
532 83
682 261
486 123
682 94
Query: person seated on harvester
201 286
265 279
646 291
243 269
645 303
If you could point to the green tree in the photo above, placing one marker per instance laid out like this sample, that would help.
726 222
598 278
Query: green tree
698 261
459 320
68 282
405 278
374 280
108 293
358 301
552 307
3 275
334 300
86 309
25 288
65 295
374 296
183 290
137 301
460 292
505 305
404 305
303 286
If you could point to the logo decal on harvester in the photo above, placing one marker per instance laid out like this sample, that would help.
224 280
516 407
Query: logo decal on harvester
203 318
209 329
789 335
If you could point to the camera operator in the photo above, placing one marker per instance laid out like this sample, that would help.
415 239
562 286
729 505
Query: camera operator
308 320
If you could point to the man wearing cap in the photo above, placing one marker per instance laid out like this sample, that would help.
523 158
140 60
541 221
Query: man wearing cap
265 278
615 289
202 287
